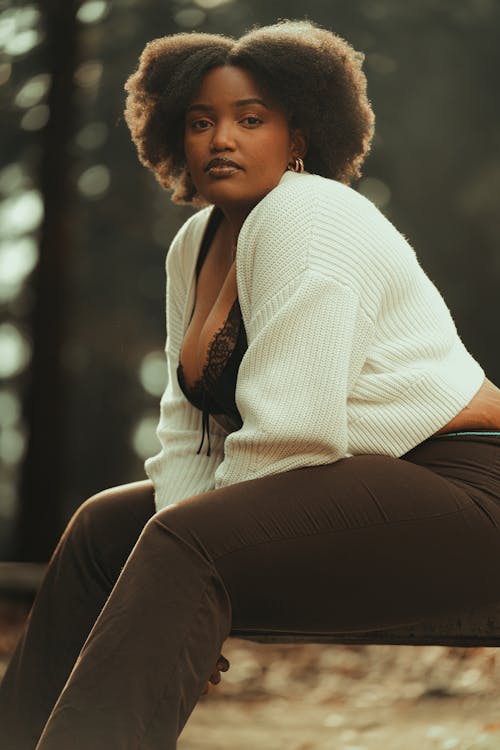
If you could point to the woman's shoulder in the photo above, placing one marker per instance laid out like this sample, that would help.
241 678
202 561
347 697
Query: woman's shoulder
317 214
307 189
309 223
306 203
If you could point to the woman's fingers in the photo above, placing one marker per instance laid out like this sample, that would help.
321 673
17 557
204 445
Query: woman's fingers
223 663
221 666
214 678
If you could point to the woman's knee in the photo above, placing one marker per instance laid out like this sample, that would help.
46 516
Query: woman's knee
109 522
95 514
195 521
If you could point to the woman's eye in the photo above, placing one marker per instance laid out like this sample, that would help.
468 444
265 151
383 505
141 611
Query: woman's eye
201 124
252 120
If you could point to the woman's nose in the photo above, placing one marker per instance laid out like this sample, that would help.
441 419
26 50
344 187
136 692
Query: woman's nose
223 137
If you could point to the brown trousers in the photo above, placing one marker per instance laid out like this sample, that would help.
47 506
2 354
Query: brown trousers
135 606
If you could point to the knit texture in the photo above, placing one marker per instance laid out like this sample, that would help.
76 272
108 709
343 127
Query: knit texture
351 348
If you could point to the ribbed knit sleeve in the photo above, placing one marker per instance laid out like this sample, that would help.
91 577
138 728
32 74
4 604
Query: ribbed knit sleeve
177 471
294 408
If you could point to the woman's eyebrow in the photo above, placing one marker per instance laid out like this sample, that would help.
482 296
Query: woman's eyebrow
252 100
239 103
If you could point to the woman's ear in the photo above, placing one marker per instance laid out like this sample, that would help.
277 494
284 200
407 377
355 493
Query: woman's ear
298 143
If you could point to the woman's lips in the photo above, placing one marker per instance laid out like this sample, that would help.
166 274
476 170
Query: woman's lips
222 167
223 170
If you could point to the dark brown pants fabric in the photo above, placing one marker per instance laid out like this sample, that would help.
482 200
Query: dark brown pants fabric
135 606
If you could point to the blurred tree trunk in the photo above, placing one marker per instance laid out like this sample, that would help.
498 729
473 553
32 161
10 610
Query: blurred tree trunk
39 519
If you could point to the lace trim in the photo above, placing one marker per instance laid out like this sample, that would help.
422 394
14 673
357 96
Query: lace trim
221 347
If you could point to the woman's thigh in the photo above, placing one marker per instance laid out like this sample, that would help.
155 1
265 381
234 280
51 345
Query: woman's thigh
366 542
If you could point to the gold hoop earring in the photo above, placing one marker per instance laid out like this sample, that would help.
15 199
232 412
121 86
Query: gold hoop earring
296 166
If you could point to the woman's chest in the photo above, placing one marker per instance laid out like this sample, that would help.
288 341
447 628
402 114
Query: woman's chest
215 294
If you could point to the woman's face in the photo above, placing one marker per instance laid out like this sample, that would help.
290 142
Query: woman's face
237 141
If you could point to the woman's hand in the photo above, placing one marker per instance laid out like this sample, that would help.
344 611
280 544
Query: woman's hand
221 666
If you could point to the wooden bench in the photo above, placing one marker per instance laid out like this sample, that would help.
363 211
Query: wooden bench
471 628
474 628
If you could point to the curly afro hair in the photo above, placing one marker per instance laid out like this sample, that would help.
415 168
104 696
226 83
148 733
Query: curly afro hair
312 73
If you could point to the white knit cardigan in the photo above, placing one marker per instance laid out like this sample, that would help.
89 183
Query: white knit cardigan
351 348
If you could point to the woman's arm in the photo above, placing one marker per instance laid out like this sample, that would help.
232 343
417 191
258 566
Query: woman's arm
306 351
351 348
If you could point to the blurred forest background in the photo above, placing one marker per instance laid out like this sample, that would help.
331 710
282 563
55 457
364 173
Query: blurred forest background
84 228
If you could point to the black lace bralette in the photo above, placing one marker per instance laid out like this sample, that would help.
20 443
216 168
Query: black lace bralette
214 392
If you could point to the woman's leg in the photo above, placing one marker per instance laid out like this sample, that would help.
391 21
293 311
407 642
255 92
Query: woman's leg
364 543
80 576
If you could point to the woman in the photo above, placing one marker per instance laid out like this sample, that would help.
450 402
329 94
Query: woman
347 473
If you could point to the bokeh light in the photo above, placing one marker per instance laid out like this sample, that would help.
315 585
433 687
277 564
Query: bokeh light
33 91
15 351
36 117
5 72
376 190
189 18
88 74
153 373
92 135
22 42
18 258
20 30
92 11
13 177
94 182
12 445
10 408
211 4
144 440
21 212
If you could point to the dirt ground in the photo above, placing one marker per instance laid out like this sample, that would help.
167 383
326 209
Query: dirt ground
329 697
